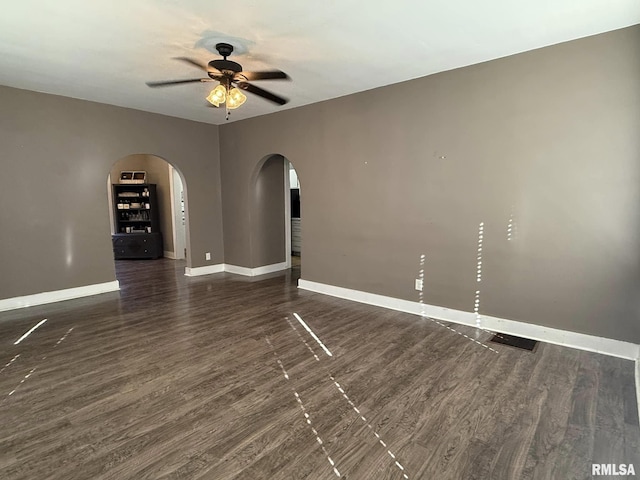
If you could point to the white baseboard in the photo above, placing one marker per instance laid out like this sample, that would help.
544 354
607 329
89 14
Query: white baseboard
274 267
225 267
238 270
607 346
57 295
168 254
254 272
197 271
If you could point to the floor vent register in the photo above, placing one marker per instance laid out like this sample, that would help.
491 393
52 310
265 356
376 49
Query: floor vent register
513 341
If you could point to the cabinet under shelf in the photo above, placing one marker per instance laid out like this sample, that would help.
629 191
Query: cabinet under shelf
137 245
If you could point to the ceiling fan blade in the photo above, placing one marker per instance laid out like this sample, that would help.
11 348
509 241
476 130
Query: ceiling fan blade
198 64
193 62
265 75
262 93
177 82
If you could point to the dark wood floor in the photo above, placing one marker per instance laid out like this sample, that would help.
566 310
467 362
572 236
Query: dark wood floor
214 378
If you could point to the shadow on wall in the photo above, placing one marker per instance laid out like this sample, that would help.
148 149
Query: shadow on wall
171 198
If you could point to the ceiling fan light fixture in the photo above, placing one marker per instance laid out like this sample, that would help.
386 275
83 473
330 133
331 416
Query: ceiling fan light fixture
228 73
235 98
217 96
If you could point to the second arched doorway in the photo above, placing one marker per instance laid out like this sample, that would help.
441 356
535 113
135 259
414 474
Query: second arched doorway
147 199
276 214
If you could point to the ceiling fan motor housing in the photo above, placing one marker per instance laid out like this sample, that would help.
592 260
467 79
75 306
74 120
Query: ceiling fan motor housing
226 65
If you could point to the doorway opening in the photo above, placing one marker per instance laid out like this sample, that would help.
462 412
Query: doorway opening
147 209
294 217
275 238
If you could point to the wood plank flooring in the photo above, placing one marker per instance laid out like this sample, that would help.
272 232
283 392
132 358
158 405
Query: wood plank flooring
214 378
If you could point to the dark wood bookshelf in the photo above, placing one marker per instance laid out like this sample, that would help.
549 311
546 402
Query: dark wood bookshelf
137 221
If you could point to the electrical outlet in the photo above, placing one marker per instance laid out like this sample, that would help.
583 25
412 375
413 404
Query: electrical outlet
207 256
419 284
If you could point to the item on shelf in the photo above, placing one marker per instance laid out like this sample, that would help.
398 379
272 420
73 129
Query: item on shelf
133 177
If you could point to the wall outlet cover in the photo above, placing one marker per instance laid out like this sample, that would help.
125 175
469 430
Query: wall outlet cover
419 284
207 256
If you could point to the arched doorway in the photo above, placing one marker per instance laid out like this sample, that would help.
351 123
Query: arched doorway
276 230
148 211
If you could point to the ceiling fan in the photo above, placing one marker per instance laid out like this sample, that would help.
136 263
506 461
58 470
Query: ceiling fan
231 80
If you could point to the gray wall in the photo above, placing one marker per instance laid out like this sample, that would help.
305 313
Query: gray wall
548 136
56 154
158 173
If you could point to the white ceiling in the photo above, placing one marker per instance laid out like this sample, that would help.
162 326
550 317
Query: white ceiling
105 50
